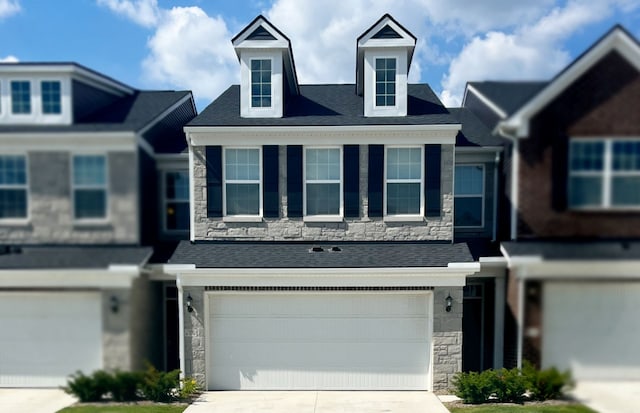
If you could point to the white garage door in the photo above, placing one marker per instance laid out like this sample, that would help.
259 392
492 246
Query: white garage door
593 328
319 341
44 337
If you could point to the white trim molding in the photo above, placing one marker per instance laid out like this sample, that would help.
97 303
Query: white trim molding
115 276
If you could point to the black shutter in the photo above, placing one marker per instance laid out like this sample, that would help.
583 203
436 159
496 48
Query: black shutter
351 181
432 171
376 179
270 199
294 181
214 181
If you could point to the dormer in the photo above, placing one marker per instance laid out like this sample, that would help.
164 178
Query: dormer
383 60
267 70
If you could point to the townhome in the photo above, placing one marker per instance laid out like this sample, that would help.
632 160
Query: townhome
572 175
92 182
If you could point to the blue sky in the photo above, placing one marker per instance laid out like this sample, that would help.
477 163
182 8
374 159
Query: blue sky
185 44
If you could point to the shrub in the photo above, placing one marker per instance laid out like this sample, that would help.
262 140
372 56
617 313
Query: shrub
89 388
509 385
188 389
160 386
546 384
473 387
125 386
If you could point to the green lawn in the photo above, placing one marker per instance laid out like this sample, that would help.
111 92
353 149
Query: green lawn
570 408
133 408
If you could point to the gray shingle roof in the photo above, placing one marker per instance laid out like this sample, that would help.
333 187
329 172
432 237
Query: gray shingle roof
131 113
509 96
245 254
71 257
326 105
474 132
575 250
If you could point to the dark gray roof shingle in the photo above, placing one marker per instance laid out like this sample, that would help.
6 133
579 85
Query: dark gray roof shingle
509 96
575 250
71 257
245 254
327 105
474 132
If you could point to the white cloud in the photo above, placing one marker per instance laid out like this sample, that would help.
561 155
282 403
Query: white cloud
142 12
9 8
9 59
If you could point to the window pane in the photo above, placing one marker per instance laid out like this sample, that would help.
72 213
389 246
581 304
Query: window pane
89 170
468 180
625 191
13 203
243 199
404 163
178 216
403 198
323 199
177 185
587 156
385 82
21 97
322 164
90 203
50 97
468 212
242 164
585 191
13 170
260 83
626 156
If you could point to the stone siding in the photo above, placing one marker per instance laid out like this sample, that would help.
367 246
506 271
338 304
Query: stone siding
194 339
447 338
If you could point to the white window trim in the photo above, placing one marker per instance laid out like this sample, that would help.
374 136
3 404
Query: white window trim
260 108
90 221
375 81
607 176
241 218
482 196
26 186
32 103
322 218
50 115
403 217
166 201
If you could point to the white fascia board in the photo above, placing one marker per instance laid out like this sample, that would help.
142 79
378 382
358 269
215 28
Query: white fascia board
328 277
488 102
164 113
113 277
367 40
100 82
335 135
577 269
66 141
172 161
619 41
484 154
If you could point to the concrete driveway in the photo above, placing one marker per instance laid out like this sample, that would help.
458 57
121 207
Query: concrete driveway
609 396
317 402
34 400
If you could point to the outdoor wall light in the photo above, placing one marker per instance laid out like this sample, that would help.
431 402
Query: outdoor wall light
449 303
189 303
115 304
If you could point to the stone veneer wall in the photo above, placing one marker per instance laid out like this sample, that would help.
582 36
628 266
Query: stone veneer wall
351 229
116 330
194 339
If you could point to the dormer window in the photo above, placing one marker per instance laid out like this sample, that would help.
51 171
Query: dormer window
261 83
21 97
386 82
51 99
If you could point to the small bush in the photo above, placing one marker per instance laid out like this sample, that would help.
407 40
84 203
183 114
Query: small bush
546 384
509 385
188 389
160 386
125 386
473 387
89 388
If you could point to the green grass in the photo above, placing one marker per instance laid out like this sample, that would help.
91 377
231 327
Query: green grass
125 409
570 408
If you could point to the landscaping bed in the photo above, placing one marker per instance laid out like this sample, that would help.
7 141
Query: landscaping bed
550 406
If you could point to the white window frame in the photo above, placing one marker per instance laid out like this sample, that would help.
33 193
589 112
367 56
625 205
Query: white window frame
41 81
241 218
404 217
482 195
375 82
105 187
607 174
166 201
322 218
25 186
32 105
258 108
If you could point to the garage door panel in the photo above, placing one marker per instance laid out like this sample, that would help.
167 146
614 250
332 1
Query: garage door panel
319 341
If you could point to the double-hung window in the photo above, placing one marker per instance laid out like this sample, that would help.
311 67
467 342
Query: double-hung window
469 196
13 187
385 82
323 182
404 181
51 100
21 97
176 198
89 187
261 83
242 182
604 173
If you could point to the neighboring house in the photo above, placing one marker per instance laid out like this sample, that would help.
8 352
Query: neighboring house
82 159
322 251
572 184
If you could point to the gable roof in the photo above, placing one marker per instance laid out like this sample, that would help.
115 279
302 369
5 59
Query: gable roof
617 39
504 97
327 105
474 132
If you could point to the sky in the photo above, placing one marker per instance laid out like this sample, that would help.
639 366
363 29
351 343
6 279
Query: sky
186 44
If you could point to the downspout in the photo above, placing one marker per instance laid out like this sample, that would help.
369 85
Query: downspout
181 326
515 167
495 197
192 214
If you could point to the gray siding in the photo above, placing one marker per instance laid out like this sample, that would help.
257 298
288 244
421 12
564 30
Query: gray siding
87 99
167 136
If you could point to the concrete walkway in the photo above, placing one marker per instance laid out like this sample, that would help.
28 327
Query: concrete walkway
34 400
317 402
609 396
